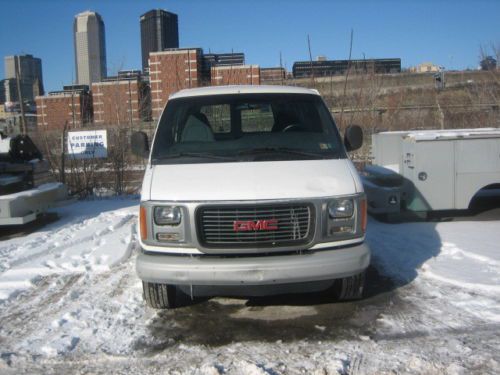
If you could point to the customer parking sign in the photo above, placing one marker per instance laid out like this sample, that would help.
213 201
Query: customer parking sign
88 144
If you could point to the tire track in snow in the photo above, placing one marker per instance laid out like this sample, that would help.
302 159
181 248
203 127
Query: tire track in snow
449 248
56 248
356 365
21 317
476 329
490 290
54 311
424 311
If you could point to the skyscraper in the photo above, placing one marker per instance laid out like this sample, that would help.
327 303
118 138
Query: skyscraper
30 76
90 48
159 31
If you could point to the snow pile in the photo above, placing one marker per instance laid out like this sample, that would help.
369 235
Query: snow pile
459 261
81 241
469 256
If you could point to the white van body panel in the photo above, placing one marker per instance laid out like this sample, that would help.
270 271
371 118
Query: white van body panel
146 184
246 222
251 180
355 176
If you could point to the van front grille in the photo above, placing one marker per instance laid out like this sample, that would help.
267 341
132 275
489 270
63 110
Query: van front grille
277 225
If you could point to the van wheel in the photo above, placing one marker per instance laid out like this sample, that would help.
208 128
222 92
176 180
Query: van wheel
350 288
159 296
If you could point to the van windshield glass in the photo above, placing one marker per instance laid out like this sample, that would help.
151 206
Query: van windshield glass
246 127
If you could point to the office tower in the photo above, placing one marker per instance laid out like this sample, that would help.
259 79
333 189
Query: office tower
29 69
90 48
159 31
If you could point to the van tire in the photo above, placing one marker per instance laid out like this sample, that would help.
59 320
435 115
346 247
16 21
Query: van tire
159 296
350 288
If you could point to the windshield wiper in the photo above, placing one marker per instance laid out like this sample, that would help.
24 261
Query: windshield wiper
285 150
192 154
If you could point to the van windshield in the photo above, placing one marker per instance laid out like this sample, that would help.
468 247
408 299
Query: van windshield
246 127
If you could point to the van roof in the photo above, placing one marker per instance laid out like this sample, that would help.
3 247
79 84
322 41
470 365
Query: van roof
242 89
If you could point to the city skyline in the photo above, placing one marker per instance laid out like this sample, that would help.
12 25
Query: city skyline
448 33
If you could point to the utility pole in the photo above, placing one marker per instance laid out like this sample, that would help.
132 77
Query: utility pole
310 58
346 78
440 84
17 62
63 143
281 69
130 104
72 109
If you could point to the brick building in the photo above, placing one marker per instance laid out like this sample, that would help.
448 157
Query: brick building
120 100
73 106
209 60
170 71
235 75
272 75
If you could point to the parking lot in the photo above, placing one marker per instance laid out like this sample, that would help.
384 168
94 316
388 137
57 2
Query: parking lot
81 309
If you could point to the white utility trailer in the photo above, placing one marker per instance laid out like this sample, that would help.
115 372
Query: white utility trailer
429 170
27 188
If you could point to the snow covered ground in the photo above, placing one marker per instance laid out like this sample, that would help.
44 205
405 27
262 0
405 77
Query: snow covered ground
70 302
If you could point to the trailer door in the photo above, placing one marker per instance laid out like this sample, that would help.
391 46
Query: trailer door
477 166
411 198
408 155
434 173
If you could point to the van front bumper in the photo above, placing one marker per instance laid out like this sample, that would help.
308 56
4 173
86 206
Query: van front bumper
307 266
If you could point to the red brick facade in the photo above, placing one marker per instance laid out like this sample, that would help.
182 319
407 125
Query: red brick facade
272 74
235 75
119 102
73 108
171 71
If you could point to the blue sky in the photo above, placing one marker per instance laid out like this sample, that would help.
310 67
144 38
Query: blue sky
448 33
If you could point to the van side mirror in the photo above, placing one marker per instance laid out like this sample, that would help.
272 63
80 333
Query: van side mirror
353 137
140 144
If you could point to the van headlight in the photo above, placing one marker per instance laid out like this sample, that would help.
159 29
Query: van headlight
341 208
345 217
167 215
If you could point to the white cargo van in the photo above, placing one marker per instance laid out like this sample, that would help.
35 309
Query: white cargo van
249 190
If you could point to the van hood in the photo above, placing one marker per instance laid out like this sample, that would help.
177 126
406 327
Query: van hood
251 180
